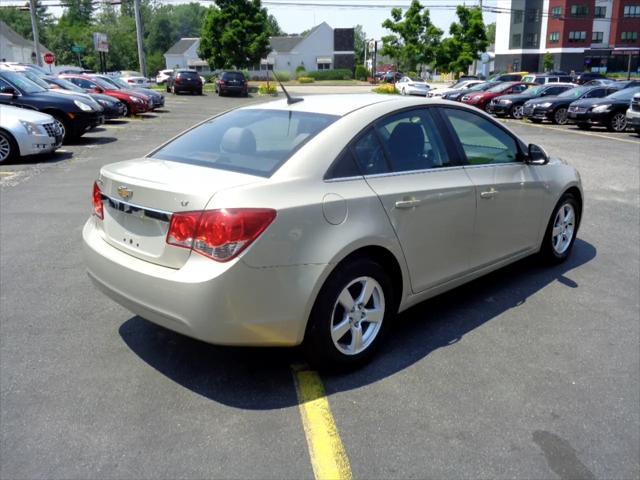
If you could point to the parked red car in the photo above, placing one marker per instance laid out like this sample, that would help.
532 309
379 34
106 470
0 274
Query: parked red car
134 101
482 99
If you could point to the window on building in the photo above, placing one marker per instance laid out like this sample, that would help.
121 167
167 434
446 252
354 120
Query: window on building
629 36
533 15
556 12
597 37
579 10
577 36
517 16
531 40
632 11
554 37
516 41
600 12
324 66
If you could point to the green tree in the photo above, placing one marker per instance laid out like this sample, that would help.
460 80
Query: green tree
414 40
19 19
274 28
468 39
547 62
359 42
188 19
491 33
235 34
79 11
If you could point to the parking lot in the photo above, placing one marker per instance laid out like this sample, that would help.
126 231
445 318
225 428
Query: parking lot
530 372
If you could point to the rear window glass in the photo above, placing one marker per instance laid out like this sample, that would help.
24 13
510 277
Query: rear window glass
252 141
232 76
188 74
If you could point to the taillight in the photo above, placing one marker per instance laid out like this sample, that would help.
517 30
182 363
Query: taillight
219 234
221 82
98 208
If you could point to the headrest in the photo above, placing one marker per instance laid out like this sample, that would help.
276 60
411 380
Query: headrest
238 140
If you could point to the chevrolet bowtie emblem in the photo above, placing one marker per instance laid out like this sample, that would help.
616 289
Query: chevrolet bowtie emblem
124 192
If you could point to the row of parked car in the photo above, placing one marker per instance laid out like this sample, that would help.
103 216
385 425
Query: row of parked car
547 97
39 111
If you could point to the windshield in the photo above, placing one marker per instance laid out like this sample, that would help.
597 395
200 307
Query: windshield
574 92
117 83
36 79
61 82
253 141
416 79
23 83
103 84
626 94
481 87
501 87
535 91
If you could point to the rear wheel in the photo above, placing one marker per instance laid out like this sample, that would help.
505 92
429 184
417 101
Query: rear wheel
8 147
617 123
125 112
350 314
584 126
562 229
560 116
403 91
168 88
516 112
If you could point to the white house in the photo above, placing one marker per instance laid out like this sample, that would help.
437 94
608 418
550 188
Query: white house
184 54
14 48
322 48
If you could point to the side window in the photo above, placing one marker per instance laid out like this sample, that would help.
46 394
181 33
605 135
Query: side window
554 90
412 142
519 88
482 141
369 154
4 84
597 93
344 167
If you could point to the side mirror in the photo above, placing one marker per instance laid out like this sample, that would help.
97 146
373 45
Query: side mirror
9 91
536 155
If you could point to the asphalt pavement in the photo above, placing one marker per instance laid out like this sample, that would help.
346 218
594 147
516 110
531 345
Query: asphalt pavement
531 372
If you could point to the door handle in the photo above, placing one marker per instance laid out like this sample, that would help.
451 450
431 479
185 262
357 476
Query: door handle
489 194
407 203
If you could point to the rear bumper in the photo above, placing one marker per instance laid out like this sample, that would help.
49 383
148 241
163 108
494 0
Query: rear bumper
221 303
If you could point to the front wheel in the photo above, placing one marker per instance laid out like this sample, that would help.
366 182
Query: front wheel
8 147
562 229
617 123
560 116
517 112
349 316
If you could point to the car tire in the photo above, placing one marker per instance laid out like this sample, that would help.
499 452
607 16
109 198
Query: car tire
560 116
168 89
126 111
403 92
335 335
516 112
637 131
617 122
199 92
8 147
69 132
584 126
562 229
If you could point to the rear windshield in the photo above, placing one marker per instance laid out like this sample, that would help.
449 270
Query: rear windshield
574 92
251 141
232 76
188 74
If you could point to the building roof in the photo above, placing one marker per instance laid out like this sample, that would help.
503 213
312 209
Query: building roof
288 43
181 46
10 34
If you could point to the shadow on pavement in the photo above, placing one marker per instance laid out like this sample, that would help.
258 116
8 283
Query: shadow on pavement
89 140
260 378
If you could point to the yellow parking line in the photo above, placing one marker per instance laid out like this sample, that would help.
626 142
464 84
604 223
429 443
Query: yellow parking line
589 134
7 174
328 457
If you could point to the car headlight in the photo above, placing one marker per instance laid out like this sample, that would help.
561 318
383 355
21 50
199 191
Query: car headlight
545 104
601 108
506 102
83 106
135 99
33 128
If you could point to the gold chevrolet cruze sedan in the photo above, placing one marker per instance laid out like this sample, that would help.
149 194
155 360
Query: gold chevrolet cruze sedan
315 221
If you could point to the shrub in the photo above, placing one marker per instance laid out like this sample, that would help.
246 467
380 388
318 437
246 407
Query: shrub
305 80
283 76
386 88
362 73
338 74
265 89
300 69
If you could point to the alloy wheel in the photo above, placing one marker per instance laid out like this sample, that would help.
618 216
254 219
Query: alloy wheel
5 148
619 122
560 116
517 112
563 228
357 315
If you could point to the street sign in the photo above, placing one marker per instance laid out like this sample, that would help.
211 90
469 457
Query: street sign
100 42
49 58
77 49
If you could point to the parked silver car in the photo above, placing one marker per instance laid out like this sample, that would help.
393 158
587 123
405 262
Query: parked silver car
317 221
27 132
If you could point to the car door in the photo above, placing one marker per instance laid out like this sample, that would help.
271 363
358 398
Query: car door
508 193
428 197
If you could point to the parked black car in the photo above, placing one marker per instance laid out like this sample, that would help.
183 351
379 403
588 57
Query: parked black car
512 105
585 77
113 108
555 108
75 115
456 95
609 111
232 82
156 98
184 81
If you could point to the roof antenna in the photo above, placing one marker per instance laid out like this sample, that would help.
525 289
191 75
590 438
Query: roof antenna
290 99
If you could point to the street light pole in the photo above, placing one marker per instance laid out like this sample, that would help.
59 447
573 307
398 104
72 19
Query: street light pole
34 28
141 59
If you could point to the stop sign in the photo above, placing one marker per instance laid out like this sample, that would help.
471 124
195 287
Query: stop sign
49 58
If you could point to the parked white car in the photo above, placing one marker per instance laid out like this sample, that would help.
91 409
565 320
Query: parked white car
412 86
463 85
315 220
27 132
162 76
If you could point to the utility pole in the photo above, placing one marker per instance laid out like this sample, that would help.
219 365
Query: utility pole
141 59
34 27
